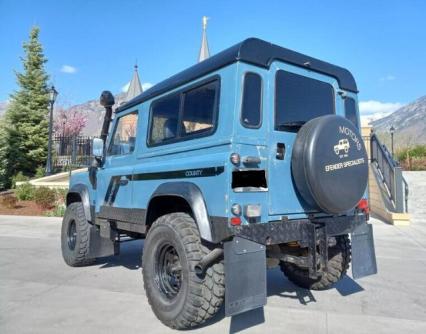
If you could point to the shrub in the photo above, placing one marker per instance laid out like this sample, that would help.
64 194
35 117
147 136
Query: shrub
418 151
58 211
25 192
413 158
19 178
9 201
40 172
45 197
61 194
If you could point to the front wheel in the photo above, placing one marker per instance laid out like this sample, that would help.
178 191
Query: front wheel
75 236
339 257
178 296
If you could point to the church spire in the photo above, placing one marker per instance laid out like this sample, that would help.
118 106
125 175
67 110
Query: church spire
204 50
135 87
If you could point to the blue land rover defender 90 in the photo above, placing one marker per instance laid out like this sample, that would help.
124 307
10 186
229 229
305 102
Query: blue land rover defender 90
249 160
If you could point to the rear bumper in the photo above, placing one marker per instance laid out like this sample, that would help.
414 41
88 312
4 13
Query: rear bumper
245 254
301 230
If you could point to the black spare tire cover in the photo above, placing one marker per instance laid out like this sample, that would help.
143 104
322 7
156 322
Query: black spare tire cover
329 164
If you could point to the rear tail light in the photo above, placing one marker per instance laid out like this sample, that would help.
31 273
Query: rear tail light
235 221
235 158
363 206
236 209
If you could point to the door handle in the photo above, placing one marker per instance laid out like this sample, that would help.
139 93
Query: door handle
280 151
124 181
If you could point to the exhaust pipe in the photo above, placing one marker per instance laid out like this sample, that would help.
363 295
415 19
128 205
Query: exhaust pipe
208 260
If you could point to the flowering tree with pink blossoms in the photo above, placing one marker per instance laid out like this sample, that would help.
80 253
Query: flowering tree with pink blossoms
69 123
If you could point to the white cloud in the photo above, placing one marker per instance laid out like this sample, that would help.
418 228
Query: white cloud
146 86
68 69
125 87
389 77
372 110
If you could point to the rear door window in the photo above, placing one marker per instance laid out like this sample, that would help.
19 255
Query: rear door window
299 99
252 101
350 111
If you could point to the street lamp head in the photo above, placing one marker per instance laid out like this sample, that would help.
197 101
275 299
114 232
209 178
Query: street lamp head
392 129
52 94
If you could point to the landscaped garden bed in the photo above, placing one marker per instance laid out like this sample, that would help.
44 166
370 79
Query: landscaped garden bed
27 200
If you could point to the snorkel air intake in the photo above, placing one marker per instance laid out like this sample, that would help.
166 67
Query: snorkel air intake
107 101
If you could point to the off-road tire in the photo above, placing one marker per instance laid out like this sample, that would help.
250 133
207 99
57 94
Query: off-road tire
339 257
199 297
76 256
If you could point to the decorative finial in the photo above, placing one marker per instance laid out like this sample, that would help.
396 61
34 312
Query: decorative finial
136 64
205 18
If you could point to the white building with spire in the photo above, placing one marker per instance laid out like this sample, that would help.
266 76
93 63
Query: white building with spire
204 50
135 87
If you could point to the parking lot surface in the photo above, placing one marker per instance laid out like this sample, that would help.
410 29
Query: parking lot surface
40 294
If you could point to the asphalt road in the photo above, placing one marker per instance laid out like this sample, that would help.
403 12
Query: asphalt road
40 294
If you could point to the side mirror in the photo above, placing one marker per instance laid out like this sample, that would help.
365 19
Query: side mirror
98 148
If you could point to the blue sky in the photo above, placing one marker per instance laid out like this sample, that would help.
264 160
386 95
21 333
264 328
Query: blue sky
92 45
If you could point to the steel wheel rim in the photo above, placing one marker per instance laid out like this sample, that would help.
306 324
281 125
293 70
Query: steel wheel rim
72 235
168 271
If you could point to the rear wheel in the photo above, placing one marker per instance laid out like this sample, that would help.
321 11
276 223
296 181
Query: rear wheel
178 296
75 235
339 257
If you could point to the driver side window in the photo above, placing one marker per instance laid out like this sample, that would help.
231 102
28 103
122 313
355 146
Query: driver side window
124 137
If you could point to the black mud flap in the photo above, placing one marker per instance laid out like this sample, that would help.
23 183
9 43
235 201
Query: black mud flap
363 254
245 276
100 246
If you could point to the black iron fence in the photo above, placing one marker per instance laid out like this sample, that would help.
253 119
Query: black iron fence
75 151
391 174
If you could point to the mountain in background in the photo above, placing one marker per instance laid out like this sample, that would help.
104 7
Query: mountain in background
94 113
409 123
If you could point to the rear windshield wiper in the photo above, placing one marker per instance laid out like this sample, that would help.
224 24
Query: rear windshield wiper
296 125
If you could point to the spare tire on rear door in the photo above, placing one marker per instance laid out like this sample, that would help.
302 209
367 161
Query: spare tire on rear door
329 164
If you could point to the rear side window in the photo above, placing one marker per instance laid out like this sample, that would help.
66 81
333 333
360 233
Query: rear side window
199 110
299 99
350 111
252 101
164 121
185 114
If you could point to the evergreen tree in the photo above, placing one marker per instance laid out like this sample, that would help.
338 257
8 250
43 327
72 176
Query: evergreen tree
4 179
26 121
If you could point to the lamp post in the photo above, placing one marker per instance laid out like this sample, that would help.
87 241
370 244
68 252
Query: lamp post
392 131
52 98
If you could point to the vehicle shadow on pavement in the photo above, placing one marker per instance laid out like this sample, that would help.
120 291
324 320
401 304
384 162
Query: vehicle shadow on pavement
277 285
130 256
347 286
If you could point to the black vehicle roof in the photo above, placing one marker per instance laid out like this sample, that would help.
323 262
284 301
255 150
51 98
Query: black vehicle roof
252 51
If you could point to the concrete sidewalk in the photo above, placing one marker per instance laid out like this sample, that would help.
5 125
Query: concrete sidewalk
40 294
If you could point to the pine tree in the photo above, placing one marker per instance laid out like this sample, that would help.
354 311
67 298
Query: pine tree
4 179
26 117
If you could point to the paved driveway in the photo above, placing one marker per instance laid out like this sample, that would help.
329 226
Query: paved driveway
40 294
